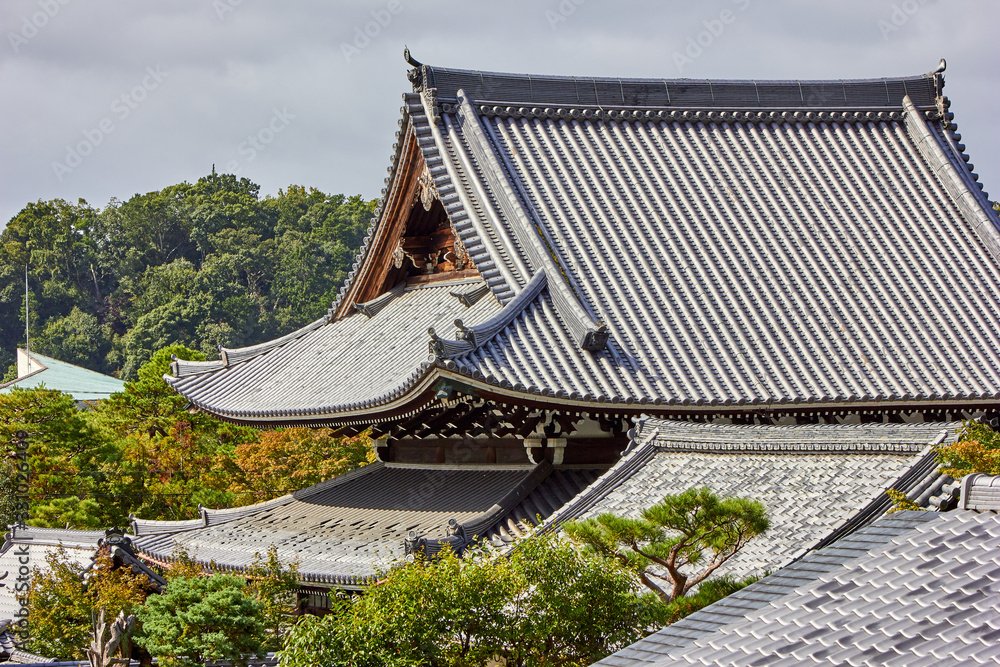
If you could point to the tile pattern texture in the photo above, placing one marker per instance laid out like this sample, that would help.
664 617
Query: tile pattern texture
347 529
813 480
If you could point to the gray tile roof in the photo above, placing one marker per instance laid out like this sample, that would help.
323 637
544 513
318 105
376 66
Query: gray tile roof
51 537
786 245
354 363
817 481
980 492
10 654
505 88
915 588
347 529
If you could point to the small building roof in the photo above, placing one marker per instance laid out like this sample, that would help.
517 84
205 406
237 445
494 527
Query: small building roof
913 589
82 384
817 482
670 246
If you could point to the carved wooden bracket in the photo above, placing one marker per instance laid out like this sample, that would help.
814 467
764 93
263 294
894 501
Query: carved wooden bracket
426 192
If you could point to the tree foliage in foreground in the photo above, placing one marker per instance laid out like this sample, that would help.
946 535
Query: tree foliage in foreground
199 619
977 449
61 605
681 541
547 603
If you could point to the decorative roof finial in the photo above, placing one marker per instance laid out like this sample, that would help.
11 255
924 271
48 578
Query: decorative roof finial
416 63
941 67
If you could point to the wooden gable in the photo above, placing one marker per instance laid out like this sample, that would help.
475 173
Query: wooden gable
414 241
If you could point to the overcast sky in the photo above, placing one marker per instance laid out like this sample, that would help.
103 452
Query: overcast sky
107 99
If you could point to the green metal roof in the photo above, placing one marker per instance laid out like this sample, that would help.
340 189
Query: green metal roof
82 384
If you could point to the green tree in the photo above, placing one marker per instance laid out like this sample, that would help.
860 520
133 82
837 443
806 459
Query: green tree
77 338
275 586
548 603
8 493
66 453
199 619
69 512
169 460
669 542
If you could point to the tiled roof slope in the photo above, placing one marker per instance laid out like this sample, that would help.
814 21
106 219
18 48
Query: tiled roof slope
349 528
913 589
789 259
816 481
796 244
353 363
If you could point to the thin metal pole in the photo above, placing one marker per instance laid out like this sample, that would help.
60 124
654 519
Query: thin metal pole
27 329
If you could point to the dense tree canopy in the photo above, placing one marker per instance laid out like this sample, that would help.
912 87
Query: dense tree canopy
199 265
547 603
142 452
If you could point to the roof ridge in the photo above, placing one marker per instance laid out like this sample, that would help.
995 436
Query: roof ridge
883 92
958 183
588 333
472 338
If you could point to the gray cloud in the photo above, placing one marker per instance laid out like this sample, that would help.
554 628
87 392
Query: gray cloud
227 72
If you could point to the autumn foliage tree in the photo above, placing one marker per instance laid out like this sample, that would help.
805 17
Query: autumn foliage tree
170 460
977 449
61 604
294 458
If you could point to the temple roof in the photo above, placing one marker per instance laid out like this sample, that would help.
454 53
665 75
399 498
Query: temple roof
344 531
688 246
817 482
505 88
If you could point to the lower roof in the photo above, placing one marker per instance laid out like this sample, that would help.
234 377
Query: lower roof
344 531
816 481
328 368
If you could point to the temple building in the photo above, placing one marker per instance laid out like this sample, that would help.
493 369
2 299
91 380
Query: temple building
579 294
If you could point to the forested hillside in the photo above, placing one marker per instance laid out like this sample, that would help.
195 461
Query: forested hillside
200 265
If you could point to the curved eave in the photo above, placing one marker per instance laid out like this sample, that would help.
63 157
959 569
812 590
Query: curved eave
422 393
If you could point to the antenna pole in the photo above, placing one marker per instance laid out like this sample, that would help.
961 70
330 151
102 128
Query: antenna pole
27 329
